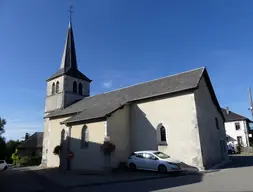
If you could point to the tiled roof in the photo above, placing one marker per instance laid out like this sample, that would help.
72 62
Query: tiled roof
231 116
103 104
34 141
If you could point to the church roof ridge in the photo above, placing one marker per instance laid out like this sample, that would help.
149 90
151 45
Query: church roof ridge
157 79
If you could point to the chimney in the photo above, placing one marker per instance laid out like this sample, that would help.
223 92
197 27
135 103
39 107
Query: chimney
227 110
26 136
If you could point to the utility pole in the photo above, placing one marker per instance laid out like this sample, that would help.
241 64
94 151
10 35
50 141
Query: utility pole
251 110
250 101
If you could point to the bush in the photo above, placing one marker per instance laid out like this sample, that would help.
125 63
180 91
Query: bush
15 157
22 161
35 160
28 161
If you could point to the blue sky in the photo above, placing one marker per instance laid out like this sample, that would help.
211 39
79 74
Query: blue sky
119 43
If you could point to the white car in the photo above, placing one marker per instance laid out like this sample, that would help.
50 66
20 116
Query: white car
153 161
3 165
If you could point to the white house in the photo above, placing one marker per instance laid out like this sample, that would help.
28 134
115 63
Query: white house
237 128
178 115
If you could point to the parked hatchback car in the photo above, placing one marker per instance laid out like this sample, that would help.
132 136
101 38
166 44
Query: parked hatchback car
3 165
153 161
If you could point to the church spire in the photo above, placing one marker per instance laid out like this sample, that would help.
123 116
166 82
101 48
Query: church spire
69 53
69 62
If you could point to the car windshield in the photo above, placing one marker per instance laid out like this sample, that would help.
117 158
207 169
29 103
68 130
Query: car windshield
161 155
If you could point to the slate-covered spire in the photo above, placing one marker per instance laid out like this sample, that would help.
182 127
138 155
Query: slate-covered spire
69 54
69 62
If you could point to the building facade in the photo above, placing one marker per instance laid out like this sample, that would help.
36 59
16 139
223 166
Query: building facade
168 114
237 128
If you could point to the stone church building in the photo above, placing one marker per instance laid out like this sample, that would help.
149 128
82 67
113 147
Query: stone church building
178 115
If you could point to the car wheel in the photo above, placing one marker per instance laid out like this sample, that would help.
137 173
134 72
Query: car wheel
162 169
5 168
132 167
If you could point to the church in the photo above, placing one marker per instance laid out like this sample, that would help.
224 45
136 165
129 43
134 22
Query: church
178 115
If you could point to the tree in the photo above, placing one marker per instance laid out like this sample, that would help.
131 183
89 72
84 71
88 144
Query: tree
2 124
11 146
3 149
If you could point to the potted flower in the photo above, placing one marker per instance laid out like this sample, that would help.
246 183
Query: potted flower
57 150
108 147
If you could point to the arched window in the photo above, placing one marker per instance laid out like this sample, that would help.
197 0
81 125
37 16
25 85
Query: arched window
163 134
53 88
57 87
74 87
84 137
80 89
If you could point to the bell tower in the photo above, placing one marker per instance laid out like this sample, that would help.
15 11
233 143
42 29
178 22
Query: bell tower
68 85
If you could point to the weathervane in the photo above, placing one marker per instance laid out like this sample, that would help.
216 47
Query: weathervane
70 10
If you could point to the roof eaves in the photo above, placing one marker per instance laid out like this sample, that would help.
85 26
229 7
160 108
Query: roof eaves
60 74
68 121
63 114
53 77
233 120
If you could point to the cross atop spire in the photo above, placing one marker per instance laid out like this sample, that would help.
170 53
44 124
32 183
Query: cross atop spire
70 11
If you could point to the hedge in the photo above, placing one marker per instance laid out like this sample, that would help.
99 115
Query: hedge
28 161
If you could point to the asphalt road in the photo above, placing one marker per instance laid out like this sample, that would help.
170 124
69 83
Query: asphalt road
14 180
235 177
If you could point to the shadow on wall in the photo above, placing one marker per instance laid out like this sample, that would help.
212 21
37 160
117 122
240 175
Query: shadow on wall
87 156
91 157
143 134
